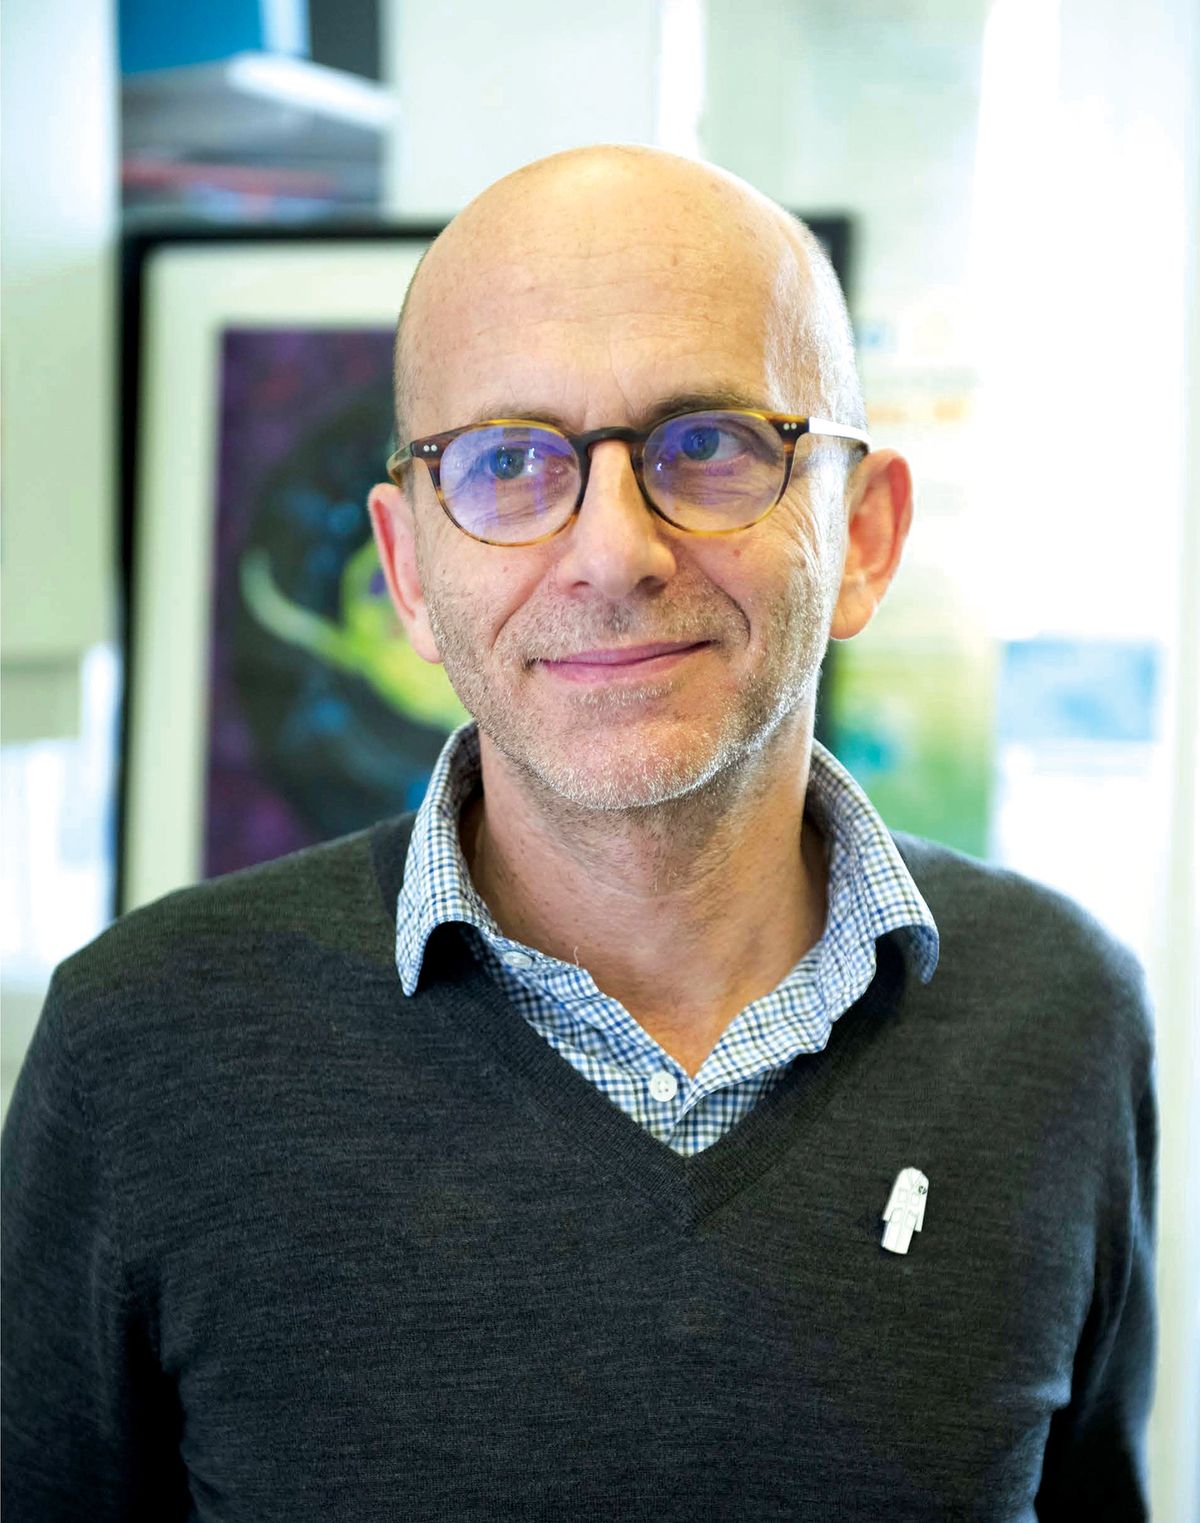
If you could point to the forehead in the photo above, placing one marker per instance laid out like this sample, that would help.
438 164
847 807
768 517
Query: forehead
593 319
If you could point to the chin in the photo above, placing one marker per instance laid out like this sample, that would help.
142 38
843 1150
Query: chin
627 771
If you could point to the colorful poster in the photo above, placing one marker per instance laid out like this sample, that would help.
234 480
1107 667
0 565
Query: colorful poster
322 719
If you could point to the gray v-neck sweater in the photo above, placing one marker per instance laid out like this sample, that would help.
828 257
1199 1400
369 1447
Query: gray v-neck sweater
281 1243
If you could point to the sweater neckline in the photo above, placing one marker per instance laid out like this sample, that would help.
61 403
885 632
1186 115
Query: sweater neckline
458 993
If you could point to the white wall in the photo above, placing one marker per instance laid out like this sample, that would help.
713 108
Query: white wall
867 106
59 202
1175 1434
58 210
486 88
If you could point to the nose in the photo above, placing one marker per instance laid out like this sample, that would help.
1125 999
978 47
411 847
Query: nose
616 544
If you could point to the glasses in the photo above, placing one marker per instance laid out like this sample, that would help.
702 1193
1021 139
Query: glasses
512 482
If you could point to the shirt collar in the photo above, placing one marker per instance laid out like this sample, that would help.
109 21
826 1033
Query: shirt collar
870 888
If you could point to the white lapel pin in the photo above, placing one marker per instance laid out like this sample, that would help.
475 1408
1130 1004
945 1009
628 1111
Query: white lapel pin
905 1210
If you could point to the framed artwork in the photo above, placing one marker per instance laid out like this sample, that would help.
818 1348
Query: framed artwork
271 698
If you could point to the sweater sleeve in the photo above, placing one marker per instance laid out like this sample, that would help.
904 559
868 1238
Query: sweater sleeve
87 1416
1095 1465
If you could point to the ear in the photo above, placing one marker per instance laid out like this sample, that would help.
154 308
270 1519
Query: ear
394 526
879 506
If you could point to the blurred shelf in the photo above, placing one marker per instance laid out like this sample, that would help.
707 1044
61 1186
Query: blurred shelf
254 107
259 136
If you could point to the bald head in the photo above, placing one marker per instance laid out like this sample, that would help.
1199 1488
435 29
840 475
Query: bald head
608 226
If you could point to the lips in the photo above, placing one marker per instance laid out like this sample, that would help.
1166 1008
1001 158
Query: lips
626 655
625 666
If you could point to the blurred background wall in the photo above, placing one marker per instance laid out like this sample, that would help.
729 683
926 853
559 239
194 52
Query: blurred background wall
1020 180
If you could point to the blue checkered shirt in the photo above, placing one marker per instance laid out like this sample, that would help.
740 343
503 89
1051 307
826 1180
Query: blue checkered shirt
870 893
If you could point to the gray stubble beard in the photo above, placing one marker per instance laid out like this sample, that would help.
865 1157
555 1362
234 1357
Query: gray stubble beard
717 768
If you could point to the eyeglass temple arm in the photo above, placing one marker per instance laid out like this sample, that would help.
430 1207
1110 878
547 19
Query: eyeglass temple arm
838 430
397 462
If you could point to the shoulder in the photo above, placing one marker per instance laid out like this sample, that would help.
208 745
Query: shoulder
1009 942
327 902
217 999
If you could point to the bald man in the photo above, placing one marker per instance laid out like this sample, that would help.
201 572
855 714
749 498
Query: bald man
639 1129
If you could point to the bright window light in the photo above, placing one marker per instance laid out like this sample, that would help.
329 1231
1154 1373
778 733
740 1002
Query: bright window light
681 65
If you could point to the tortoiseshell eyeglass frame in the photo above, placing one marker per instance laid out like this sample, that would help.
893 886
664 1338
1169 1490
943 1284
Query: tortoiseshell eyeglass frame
790 428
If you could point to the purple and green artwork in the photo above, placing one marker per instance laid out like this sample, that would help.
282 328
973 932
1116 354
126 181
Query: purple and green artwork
322 719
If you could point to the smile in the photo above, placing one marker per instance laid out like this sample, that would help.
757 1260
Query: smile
636 661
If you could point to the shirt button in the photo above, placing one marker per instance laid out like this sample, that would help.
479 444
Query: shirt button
515 959
664 1086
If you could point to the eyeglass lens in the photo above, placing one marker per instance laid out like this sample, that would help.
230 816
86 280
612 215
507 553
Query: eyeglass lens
704 471
507 483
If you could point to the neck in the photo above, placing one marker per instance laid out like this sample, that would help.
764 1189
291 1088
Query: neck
684 912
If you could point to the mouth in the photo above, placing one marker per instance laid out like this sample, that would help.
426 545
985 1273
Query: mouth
636 661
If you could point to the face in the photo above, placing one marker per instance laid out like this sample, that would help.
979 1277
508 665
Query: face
622 663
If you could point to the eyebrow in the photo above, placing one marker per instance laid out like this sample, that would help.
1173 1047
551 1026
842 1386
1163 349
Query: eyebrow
664 407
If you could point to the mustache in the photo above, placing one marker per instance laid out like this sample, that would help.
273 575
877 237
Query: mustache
553 634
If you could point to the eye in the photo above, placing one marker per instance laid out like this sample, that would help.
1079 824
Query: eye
509 464
711 439
505 462
700 442
525 455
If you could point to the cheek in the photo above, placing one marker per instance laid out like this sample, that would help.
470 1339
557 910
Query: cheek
785 585
472 594
792 558
812 550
